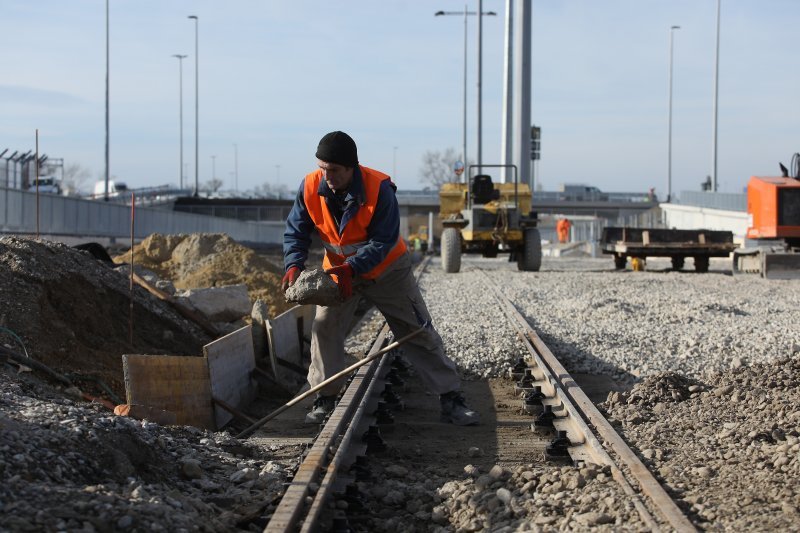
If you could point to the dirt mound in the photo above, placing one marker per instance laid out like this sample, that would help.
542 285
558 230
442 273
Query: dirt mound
66 309
201 260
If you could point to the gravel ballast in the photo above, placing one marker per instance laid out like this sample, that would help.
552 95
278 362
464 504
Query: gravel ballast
714 410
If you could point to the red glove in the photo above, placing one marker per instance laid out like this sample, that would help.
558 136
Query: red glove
344 278
290 277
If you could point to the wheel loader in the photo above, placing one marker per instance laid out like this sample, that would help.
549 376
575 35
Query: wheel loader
773 206
489 218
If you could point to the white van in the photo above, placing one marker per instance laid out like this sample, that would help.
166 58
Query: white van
47 185
115 188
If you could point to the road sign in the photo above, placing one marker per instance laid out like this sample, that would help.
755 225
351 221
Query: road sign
458 168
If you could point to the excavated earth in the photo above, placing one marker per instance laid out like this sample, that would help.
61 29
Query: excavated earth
702 370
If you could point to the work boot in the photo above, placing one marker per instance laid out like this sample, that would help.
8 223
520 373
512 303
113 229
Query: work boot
323 406
455 410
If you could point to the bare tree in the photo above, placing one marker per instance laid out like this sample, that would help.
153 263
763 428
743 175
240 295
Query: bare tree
212 185
437 167
75 176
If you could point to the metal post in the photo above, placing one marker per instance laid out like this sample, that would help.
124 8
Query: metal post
506 152
522 91
480 78
716 95
236 168
180 100
464 149
196 107
669 126
108 172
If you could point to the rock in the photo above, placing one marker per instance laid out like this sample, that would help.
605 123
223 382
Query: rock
190 468
504 495
474 451
472 470
593 518
498 472
316 287
220 304
396 471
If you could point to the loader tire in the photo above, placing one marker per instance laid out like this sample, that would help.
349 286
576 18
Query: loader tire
529 258
451 250
701 263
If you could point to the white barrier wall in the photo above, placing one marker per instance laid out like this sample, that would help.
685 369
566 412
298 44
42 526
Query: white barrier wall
690 217
76 217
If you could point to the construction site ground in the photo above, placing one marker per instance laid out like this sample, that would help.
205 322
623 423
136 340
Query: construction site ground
702 370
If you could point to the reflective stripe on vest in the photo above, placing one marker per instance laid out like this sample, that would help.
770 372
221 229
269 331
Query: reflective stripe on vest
339 247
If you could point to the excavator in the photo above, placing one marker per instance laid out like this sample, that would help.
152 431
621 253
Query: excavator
773 207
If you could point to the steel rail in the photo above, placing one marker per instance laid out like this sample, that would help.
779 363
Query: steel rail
332 446
582 412
289 511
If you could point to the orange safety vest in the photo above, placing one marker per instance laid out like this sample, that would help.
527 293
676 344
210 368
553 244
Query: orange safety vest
339 247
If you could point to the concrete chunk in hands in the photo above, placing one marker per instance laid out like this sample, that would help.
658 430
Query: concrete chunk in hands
314 286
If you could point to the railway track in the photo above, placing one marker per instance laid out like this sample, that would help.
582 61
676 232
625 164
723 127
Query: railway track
383 450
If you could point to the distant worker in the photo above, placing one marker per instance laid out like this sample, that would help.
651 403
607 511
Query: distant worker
354 211
562 229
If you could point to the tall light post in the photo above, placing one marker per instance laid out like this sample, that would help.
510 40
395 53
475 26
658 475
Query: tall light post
464 13
180 106
196 107
235 168
108 83
669 126
716 96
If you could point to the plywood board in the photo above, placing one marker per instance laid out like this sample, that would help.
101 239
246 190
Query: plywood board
230 366
179 384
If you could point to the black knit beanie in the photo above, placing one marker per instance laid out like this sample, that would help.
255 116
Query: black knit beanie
338 147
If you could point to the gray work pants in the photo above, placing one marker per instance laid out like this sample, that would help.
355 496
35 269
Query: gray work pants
396 295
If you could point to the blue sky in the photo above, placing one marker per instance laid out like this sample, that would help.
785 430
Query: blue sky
276 75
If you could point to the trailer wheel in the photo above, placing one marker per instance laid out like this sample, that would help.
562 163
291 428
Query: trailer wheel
529 259
701 263
620 261
451 250
677 263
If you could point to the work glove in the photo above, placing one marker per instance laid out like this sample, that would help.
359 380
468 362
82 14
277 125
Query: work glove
344 278
290 277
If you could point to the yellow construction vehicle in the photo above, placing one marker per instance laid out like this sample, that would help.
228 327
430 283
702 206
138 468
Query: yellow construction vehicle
484 217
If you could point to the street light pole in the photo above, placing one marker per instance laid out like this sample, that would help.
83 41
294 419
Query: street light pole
669 126
465 13
716 96
196 107
107 154
235 168
180 100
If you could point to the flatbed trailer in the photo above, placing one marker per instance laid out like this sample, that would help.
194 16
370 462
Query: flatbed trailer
677 244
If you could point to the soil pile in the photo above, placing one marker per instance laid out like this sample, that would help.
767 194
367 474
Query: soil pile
71 312
203 260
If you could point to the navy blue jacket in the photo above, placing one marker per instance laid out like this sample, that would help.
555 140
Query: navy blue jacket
382 232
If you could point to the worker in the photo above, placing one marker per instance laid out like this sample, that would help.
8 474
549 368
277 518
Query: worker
354 211
562 229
